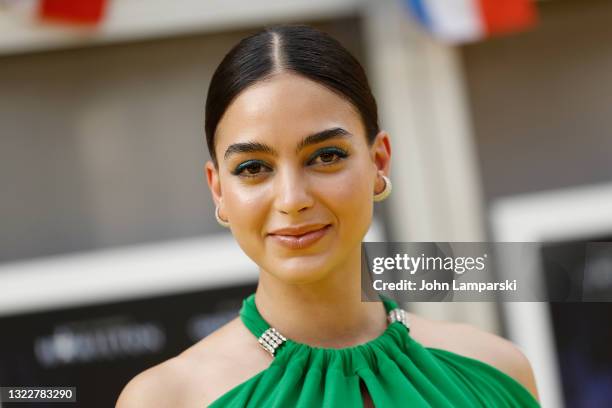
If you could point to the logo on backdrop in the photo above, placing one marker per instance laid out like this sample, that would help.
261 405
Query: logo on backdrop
96 340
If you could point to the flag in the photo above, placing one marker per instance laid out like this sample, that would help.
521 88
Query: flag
457 21
88 12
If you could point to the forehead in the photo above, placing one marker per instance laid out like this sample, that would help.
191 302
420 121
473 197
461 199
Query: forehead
282 110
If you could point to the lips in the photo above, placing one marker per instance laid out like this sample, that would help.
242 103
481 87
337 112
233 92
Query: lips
299 237
298 230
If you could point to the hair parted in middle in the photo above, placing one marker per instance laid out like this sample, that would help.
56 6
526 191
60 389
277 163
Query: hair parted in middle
295 48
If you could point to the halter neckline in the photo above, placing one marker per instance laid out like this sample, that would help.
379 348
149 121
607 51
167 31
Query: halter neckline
271 339
395 369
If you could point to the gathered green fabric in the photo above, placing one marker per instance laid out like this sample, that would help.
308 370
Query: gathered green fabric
396 370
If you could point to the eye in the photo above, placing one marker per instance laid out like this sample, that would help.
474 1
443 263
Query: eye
328 156
251 168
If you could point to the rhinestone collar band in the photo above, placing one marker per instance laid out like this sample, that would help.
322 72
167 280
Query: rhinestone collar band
271 339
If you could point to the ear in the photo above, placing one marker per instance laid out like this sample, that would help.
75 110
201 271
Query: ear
212 177
380 152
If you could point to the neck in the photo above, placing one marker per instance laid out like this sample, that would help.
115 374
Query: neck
328 313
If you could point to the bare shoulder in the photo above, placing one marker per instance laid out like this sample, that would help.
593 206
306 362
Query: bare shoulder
469 341
200 374
158 386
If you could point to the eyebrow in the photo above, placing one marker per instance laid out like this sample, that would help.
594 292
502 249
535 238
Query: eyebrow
251 147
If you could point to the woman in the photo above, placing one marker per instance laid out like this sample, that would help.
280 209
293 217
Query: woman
297 161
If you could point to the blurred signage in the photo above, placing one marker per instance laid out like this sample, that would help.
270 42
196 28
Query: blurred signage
98 349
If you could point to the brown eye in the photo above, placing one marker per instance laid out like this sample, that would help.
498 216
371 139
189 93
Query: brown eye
253 168
327 157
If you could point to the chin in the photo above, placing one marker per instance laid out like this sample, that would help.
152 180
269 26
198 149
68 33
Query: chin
301 270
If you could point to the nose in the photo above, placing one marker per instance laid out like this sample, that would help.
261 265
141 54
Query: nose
292 193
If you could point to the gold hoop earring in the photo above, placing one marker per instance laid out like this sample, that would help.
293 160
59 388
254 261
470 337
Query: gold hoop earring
386 191
221 222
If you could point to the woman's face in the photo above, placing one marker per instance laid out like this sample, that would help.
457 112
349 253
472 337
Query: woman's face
293 155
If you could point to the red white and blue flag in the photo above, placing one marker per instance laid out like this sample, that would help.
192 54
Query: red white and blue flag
457 21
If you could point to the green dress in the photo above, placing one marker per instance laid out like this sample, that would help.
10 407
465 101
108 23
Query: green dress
396 370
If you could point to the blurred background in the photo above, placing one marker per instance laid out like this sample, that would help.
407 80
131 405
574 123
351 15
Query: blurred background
110 257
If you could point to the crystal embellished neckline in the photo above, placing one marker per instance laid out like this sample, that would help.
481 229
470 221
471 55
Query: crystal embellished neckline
271 339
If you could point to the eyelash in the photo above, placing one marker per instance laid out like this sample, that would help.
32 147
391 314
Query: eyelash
239 170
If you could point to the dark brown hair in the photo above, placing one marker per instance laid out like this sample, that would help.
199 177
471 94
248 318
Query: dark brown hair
299 49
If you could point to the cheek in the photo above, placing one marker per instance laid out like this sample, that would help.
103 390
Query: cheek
246 209
349 196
